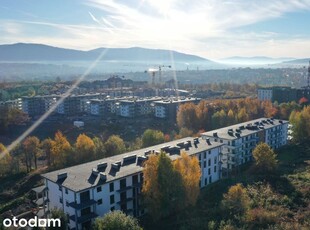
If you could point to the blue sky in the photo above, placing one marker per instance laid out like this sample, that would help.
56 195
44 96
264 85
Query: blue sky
209 28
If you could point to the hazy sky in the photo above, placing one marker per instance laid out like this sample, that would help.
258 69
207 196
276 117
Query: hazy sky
209 28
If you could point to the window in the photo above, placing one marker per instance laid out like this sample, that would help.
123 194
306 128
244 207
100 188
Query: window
210 179
67 203
99 201
209 162
215 169
199 157
209 171
209 151
111 187
221 141
206 181
204 164
59 188
112 199
215 139
205 154
99 189
66 191
60 200
215 160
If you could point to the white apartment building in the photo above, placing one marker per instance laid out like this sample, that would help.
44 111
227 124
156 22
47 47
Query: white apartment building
264 94
240 140
89 190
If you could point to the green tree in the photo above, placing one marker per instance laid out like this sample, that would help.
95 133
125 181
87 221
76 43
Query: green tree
114 146
265 158
116 220
152 137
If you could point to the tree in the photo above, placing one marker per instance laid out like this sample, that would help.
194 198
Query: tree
31 146
99 147
116 220
189 169
162 189
60 150
187 117
185 132
301 124
5 161
242 115
265 158
230 117
236 200
59 214
152 137
46 147
114 146
85 148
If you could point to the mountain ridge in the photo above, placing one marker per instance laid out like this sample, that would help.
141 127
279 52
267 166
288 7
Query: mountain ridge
42 52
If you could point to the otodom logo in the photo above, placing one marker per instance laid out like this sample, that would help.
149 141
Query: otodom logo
33 222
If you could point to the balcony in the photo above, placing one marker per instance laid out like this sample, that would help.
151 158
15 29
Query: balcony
124 201
82 205
124 189
84 218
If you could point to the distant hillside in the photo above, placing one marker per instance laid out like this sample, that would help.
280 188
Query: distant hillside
37 52
303 61
254 60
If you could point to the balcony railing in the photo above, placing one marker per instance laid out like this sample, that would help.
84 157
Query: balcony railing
84 204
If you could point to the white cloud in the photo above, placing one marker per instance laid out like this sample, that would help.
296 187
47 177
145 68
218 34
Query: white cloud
208 28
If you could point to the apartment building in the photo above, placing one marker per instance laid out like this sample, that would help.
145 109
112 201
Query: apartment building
264 94
12 104
89 190
168 108
34 106
240 140
136 107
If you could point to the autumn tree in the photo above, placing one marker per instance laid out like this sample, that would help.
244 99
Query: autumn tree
152 137
236 200
230 117
85 148
162 186
5 161
185 132
114 146
265 158
189 169
301 124
31 146
60 150
116 220
187 117
46 146
99 147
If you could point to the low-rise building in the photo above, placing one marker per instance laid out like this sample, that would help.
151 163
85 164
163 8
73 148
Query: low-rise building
240 140
93 189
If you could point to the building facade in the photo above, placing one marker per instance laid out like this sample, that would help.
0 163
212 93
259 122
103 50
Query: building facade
240 140
93 189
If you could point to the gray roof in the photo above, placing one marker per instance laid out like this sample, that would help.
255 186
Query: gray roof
80 177
177 100
245 128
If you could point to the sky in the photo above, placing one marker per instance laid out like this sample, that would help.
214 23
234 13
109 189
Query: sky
211 29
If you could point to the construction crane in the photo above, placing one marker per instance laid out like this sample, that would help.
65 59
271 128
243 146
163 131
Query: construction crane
153 71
